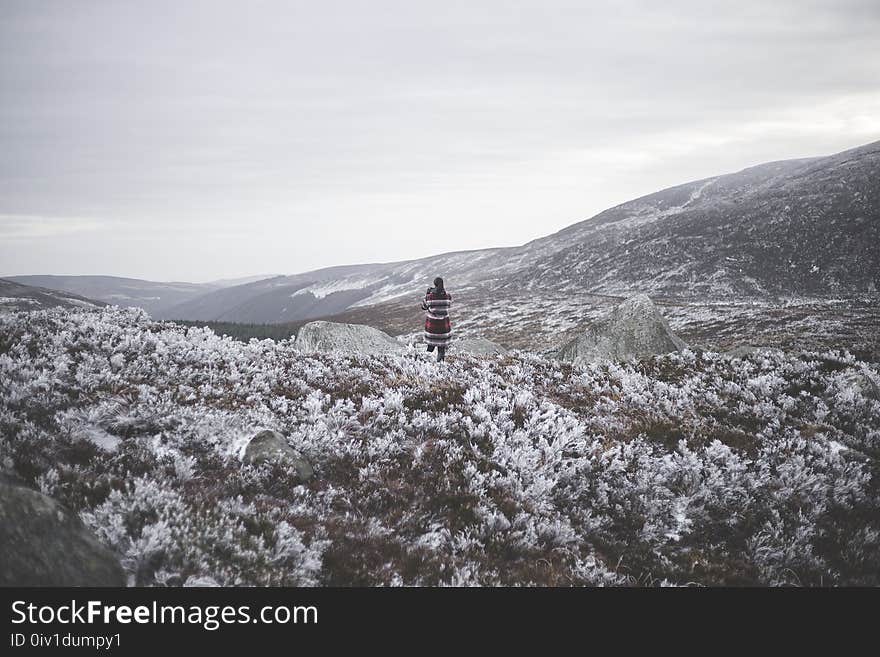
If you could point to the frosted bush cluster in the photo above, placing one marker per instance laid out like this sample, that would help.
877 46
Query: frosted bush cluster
688 468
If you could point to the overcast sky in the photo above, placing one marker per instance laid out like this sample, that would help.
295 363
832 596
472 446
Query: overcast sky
198 140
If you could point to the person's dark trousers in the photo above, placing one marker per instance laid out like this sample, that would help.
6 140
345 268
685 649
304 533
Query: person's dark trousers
441 352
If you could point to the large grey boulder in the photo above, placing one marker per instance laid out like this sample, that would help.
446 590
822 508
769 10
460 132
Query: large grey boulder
44 544
635 329
477 346
345 338
271 446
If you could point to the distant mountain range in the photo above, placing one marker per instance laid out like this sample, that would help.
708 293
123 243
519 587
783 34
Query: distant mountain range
796 228
154 297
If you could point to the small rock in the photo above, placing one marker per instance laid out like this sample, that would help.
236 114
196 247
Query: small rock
203 581
478 346
271 446
744 351
861 383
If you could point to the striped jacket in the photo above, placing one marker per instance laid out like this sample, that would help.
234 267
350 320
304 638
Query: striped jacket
438 328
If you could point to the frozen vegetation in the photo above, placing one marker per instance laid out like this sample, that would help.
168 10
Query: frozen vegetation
688 468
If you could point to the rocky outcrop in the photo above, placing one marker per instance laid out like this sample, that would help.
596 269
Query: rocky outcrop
271 446
635 329
477 346
45 544
345 338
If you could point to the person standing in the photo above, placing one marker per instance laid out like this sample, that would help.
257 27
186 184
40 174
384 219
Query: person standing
438 328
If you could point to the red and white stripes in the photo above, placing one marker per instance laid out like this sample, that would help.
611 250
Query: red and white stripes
438 328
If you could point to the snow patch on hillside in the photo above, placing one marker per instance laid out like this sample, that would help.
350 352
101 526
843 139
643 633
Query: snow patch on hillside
321 290
651 214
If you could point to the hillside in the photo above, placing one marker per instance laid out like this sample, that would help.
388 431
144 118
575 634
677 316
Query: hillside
691 468
792 229
152 296
789 229
15 296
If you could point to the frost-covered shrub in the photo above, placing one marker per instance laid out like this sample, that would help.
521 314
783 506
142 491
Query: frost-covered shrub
687 468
